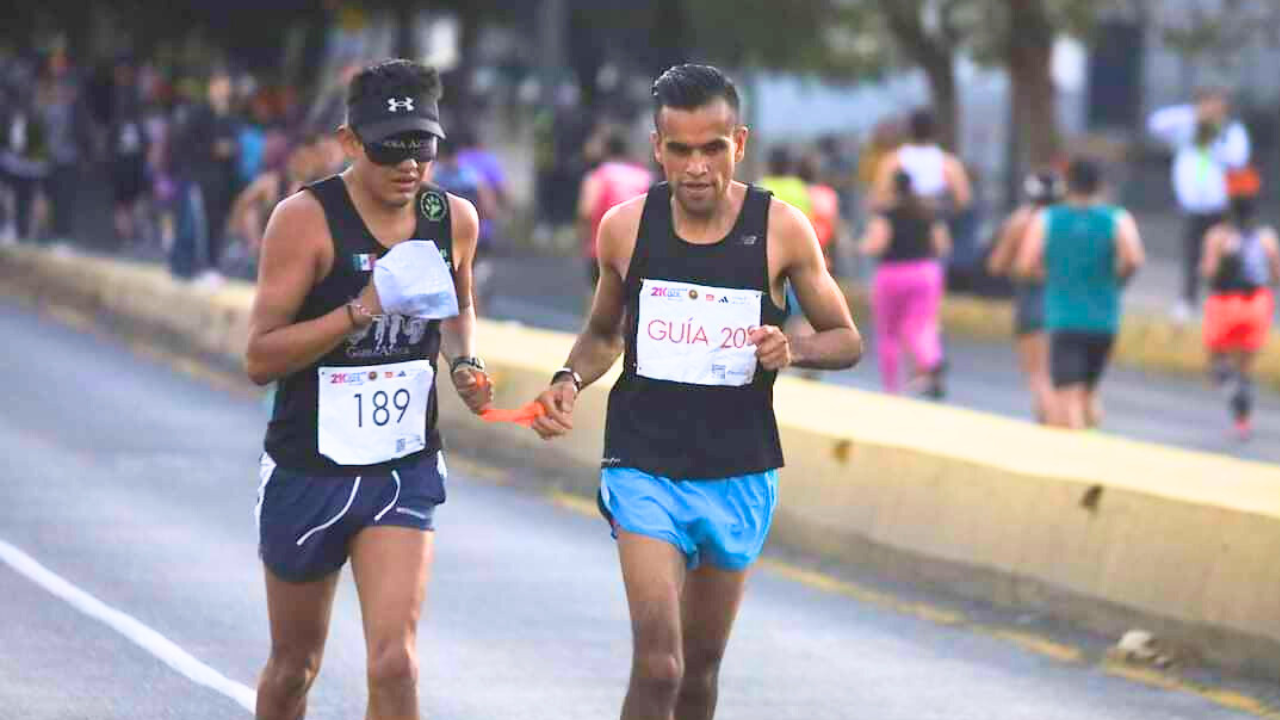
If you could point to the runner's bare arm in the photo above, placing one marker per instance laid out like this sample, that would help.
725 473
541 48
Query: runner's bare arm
882 189
457 334
1210 256
295 256
601 340
244 216
1000 261
940 238
587 198
1030 262
1272 245
958 180
1129 254
836 343
876 241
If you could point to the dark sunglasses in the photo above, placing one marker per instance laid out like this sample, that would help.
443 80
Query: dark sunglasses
397 149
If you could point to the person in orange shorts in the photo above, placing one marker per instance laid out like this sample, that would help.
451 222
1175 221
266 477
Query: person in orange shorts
1241 260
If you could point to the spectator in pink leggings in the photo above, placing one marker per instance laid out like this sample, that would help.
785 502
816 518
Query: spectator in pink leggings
909 240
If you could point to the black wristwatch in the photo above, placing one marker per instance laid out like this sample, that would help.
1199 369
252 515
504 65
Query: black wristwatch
568 372
467 360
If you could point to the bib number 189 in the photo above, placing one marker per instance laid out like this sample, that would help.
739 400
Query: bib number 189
382 405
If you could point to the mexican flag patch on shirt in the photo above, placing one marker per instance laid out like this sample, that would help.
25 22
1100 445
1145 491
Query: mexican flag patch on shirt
363 262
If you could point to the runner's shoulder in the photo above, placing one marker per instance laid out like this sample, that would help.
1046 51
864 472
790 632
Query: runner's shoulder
788 222
624 218
298 218
465 219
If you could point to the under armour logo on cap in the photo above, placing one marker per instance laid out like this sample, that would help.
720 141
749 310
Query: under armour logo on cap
394 105
376 118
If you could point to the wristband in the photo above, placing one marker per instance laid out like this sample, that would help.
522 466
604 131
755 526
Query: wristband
468 360
354 307
575 377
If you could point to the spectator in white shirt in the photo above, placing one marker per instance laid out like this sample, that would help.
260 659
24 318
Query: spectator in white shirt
1208 146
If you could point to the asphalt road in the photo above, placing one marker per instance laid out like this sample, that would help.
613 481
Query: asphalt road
132 486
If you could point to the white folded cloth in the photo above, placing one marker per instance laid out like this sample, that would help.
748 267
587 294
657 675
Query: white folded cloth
413 279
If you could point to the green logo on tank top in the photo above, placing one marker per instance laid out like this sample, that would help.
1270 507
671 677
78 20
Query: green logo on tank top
432 205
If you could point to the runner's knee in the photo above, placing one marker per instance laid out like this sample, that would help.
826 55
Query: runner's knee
291 672
392 665
702 668
659 674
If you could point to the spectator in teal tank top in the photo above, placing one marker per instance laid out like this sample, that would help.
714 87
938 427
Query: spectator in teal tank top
1084 250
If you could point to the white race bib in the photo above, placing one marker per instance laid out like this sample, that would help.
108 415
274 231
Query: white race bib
696 334
375 413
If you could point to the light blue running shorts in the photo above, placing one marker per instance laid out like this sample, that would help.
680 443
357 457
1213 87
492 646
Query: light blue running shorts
724 521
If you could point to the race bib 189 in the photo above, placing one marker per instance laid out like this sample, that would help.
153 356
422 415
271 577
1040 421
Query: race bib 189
375 413
696 334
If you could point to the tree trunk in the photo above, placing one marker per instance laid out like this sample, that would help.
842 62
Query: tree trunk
946 105
1031 82
934 55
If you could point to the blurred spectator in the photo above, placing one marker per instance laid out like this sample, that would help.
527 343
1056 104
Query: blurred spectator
561 136
461 180
780 178
839 168
127 148
206 155
256 118
333 159
474 155
1241 262
617 179
1085 251
158 122
69 137
1207 145
824 209
24 161
329 109
909 239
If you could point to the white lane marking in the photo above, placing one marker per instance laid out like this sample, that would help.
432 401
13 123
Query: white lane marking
141 635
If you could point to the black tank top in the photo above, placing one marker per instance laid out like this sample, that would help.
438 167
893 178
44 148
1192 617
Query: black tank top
911 239
1243 269
292 435
695 430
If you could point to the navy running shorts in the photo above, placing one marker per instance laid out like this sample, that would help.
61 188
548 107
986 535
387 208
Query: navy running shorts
306 521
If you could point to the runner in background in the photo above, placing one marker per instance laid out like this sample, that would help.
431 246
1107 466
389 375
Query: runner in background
1085 250
909 240
1240 263
618 179
1042 189
449 173
254 204
824 210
